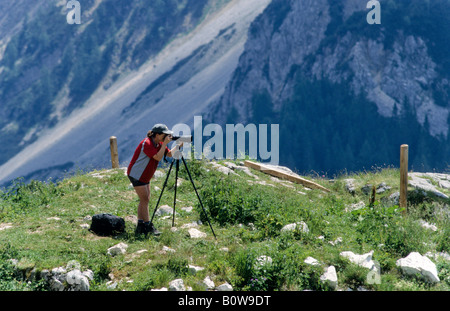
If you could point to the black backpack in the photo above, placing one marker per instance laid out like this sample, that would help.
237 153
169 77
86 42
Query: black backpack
107 224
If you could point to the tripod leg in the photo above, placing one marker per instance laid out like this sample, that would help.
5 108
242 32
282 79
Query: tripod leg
162 191
192 182
175 195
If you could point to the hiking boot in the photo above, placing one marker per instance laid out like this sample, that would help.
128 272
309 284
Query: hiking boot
150 228
140 229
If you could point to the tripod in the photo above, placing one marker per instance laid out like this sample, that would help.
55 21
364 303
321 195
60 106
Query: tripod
175 195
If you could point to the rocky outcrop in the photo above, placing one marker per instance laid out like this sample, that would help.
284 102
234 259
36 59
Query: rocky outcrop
298 38
279 39
391 78
433 183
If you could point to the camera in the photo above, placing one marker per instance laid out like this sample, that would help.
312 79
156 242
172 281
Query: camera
183 139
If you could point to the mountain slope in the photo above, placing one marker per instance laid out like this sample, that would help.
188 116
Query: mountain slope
199 64
48 67
257 219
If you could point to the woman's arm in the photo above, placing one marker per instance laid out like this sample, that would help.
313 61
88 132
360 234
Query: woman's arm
169 154
160 155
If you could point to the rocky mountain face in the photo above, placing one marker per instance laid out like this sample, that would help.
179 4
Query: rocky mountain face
49 68
345 93
398 69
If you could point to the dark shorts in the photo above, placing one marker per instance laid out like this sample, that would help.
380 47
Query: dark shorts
136 183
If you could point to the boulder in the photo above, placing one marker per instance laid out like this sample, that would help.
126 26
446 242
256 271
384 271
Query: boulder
70 279
330 277
311 261
225 287
166 250
194 269
381 188
355 207
196 234
208 283
177 285
419 181
364 260
77 280
118 249
350 186
416 264
164 210
427 225
302 226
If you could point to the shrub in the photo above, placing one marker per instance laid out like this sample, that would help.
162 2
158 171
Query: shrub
229 202
21 197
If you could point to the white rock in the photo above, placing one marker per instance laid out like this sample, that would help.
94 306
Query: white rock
194 269
56 285
415 263
350 185
208 283
230 165
355 207
167 249
330 277
196 234
291 227
118 249
53 218
189 225
187 209
336 242
59 271
444 184
177 285
163 289
364 260
224 287
5 226
426 225
89 274
436 256
418 182
77 280
223 169
111 285
247 171
164 210
311 261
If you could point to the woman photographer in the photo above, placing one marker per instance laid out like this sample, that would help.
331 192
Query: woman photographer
143 165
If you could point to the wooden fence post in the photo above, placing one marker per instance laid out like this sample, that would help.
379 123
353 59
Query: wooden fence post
403 176
114 152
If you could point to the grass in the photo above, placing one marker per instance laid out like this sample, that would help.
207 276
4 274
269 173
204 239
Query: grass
47 231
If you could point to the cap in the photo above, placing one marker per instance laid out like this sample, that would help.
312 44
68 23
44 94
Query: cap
161 129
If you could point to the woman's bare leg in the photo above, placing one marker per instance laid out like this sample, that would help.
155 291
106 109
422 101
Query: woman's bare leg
143 193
